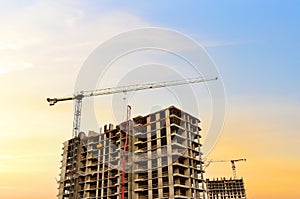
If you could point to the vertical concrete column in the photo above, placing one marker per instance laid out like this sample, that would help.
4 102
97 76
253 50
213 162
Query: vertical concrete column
200 158
149 156
188 154
159 158
190 136
77 158
85 194
108 162
134 164
188 173
98 166
103 166
63 171
169 152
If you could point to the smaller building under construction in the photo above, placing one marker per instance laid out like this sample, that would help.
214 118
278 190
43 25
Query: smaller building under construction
225 188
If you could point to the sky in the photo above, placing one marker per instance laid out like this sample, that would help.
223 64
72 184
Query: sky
254 45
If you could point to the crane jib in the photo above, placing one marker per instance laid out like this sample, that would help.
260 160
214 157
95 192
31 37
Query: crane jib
122 89
137 87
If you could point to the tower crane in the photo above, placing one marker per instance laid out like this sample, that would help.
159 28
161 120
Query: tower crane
233 167
78 97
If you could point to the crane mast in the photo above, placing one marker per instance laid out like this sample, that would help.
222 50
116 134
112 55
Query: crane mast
122 89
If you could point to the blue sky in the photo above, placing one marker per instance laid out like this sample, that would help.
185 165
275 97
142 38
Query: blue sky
261 38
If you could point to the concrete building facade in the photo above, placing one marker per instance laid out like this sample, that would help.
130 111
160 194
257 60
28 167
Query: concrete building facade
225 188
163 159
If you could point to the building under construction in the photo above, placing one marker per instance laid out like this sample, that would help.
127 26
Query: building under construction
225 188
153 156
